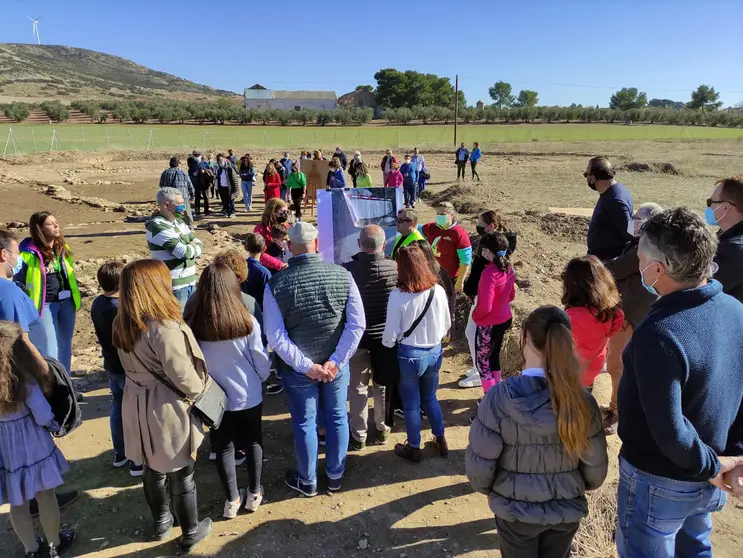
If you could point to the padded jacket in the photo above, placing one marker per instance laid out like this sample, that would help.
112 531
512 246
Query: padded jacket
515 456
730 259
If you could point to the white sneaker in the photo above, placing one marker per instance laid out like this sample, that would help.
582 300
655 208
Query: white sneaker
254 500
470 382
471 372
231 508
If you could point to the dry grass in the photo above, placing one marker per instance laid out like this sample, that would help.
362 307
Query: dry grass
595 538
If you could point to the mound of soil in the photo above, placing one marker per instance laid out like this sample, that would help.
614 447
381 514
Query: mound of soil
667 168
466 198
569 227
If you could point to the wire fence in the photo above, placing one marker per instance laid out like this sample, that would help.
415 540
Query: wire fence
27 139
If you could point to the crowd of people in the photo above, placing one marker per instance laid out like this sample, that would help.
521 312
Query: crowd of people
656 302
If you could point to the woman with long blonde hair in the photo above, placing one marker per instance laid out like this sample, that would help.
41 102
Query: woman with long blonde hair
157 348
537 444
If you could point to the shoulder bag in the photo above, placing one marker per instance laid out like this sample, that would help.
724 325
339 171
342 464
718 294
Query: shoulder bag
417 321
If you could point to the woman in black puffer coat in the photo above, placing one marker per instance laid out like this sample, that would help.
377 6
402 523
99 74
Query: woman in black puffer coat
537 444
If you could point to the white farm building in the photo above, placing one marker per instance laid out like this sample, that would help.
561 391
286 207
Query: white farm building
258 97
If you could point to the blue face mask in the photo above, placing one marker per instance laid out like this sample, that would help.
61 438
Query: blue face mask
709 215
649 288
180 209
442 221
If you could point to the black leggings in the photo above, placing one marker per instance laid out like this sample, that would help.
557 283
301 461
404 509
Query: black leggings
297 195
241 429
473 164
202 192
461 168
527 540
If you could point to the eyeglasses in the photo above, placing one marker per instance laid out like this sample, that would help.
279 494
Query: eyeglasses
399 221
710 201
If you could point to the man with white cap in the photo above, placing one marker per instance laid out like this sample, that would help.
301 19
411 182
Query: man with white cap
314 319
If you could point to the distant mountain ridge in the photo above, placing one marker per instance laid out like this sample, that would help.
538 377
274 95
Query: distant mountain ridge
68 73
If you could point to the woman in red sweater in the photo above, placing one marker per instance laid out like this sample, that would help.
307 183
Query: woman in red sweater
275 213
492 314
591 298
272 184
393 179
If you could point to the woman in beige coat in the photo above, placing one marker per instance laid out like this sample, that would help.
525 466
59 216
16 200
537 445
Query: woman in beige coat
160 430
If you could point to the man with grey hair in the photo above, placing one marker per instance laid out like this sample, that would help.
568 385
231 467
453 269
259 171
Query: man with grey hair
681 420
376 277
173 242
636 302
314 320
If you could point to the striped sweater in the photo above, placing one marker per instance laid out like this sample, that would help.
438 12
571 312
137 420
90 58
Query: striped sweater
176 245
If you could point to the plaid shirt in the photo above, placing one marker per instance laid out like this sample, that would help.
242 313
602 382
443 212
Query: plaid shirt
177 178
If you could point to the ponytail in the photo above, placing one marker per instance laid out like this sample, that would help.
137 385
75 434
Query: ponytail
497 243
548 327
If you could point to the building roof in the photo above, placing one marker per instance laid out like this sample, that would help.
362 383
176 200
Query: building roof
268 94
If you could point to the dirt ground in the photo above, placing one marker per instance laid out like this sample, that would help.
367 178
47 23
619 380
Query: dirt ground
388 508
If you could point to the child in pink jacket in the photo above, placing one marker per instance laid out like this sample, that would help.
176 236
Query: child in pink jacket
492 314
394 177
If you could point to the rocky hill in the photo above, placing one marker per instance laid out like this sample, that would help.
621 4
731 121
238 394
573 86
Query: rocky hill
42 72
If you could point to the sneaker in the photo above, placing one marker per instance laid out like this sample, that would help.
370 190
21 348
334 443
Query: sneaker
383 436
292 481
120 461
472 372
334 485
406 451
470 381
441 445
136 470
274 389
66 538
231 508
240 457
611 422
277 374
355 445
399 413
212 456
321 439
79 396
32 554
64 499
254 500
232 216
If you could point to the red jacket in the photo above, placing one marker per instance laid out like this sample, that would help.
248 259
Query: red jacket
393 179
274 264
591 338
273 187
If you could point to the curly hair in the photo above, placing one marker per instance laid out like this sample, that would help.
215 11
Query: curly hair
19 367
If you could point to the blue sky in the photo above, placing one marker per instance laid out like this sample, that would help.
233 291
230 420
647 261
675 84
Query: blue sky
568 50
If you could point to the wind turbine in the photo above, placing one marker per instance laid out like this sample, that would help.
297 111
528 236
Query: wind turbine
36 27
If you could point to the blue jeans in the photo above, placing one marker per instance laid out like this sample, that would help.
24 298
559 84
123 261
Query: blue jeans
183 294
421 184
58 321
419 380
247 188
306 397
409 193
660 517
116 383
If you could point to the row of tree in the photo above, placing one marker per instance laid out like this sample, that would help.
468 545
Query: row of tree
704 98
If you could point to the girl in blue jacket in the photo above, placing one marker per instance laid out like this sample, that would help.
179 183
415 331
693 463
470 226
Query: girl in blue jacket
474 157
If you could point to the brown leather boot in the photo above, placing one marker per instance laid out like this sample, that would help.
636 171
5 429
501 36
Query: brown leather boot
406 451
441 444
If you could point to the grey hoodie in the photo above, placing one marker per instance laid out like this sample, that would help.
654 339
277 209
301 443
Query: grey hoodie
516 457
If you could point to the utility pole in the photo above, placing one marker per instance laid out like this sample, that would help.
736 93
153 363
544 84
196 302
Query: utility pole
456 107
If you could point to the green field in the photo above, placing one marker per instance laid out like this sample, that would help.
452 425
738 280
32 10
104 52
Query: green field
42 138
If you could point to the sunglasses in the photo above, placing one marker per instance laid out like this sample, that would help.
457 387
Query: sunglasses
710 201
404 220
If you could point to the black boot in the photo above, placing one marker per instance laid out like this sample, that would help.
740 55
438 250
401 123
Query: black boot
183 493
156 494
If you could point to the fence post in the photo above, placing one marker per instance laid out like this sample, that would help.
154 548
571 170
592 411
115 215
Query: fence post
33 136
10 132
180 139
82 135
398 138
238 138
108 143
129 137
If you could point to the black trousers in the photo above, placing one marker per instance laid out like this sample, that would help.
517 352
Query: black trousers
202 192
473 164
297 195
461 167
525 540
228 204
240 429
181 487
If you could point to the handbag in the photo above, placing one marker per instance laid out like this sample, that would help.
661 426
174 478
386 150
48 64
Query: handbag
415 323
208 407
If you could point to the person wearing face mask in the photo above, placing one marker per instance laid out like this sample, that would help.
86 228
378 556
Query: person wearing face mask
354 167
475 156
419 162
341 157
462 156
681 420
450 243
275 213
409 181
175 177
296 183
407 230
387 162
209 176
610 228
173 242
227 179
636 302
725 210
